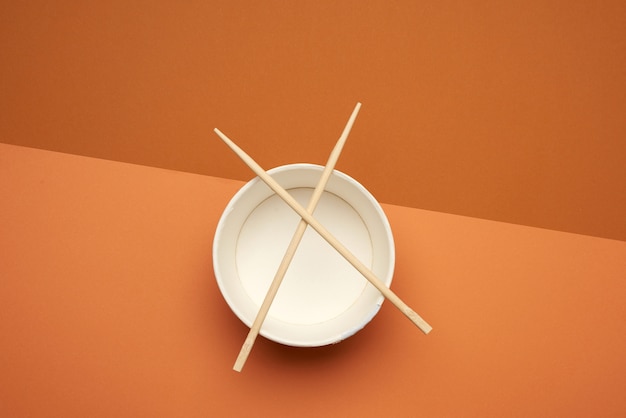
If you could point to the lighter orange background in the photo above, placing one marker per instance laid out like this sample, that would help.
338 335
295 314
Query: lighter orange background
109 308
511 111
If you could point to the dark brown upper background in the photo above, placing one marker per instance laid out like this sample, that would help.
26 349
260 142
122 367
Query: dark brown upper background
513 112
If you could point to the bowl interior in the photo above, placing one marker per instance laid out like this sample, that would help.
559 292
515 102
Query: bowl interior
322 298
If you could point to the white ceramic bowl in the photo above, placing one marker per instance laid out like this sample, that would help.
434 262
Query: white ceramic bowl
323 299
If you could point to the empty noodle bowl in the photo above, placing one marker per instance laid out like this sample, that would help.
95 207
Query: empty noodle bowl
323 299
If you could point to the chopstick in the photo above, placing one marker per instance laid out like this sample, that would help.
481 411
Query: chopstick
323 232
293 245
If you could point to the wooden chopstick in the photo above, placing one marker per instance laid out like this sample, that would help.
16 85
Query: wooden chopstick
341 249
293 245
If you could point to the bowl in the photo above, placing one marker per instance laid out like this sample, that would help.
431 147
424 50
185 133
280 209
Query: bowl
323 299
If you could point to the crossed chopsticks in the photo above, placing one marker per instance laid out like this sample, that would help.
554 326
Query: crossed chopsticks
308 219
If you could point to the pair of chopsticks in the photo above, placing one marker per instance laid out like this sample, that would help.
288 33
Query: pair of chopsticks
308 219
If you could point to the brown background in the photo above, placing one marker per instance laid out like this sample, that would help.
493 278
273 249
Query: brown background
511 112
